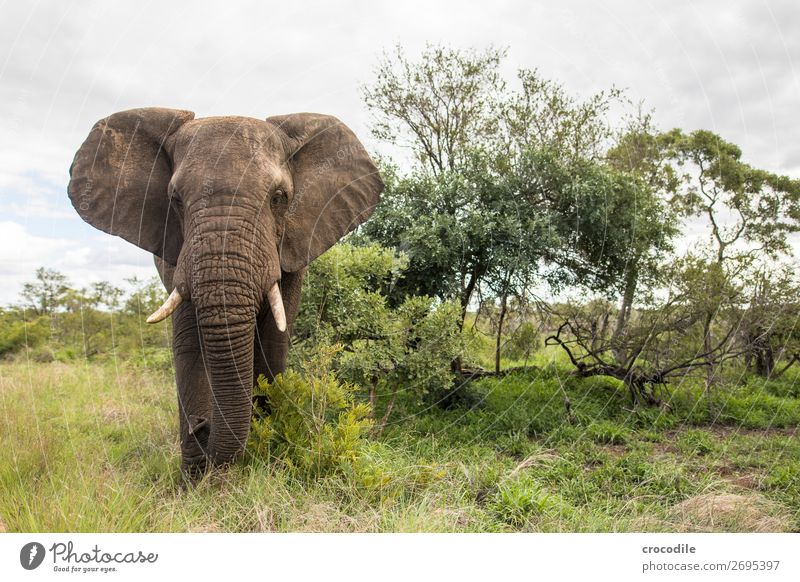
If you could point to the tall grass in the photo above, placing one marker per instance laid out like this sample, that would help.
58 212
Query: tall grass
93 447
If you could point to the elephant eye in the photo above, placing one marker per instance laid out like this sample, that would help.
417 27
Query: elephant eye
279 198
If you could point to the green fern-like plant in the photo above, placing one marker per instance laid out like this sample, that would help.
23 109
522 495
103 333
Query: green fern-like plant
313 425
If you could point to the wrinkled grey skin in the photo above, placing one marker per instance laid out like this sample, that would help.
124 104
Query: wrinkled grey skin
228 206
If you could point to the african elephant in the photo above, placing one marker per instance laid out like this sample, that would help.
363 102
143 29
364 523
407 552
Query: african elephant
233 209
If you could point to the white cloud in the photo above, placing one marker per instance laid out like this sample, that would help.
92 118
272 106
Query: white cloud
25 196
83 261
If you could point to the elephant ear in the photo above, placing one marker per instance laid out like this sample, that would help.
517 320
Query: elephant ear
120 177
336 186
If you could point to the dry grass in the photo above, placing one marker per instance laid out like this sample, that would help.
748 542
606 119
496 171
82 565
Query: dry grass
729 512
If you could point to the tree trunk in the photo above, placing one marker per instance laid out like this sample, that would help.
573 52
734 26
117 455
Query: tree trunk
465 298
631 280
498 344
600 332
707 347
373 395
386 414
765 360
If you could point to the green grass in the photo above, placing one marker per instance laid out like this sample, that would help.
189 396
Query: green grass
93 447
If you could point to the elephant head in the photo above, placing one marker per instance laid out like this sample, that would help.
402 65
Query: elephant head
231 203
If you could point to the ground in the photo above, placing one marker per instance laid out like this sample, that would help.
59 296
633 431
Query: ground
93 447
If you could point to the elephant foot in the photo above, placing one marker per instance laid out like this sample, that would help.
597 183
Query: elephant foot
194 449
192 470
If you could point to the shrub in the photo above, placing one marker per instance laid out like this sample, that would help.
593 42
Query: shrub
421 340
384 348
149 358
313 427
16 333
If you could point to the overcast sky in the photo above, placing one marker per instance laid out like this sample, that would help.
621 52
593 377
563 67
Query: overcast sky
731 67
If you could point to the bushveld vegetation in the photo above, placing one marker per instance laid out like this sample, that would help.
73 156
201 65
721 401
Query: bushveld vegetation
518 340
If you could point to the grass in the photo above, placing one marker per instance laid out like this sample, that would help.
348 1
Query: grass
93 447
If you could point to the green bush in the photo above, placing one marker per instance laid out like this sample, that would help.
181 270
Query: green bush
385 349
313 425
16 333
151 358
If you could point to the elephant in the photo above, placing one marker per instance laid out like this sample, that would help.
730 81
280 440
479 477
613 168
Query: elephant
233 210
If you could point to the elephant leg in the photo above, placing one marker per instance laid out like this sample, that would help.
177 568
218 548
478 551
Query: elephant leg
194 391
271 345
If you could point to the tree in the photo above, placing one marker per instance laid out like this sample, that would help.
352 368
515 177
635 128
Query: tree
750 211
661 341
641 152
145 296
104 294
458 230
444 107
542 115
439 106
19 331
45 294
769 329
492 167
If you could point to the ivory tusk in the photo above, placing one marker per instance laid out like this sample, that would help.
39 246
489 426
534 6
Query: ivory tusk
276 305
166 310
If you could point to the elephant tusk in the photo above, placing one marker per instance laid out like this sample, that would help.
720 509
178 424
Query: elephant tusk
276 305
166 310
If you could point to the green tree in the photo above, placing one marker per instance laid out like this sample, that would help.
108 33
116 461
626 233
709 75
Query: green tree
19 331
542 115
44 295
768 327
641 152
439 106
146 296
750 212
105 295
505 184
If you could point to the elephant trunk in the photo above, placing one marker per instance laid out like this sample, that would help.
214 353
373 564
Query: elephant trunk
227 298
227 336
229 362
